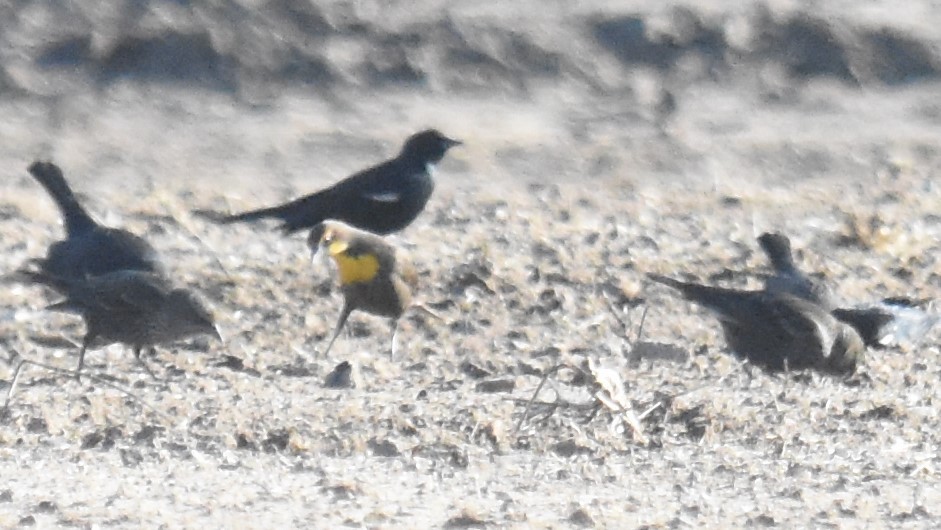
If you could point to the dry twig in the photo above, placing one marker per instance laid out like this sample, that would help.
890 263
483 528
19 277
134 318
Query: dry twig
22 362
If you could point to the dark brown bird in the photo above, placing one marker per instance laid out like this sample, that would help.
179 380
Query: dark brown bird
381 199
89 248
787 278
777 330
869 322
134 308
375 277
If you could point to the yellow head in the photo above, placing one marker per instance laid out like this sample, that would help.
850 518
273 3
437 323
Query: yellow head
356 261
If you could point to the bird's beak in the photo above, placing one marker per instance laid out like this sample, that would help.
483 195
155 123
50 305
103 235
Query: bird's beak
319 256
451 142
315 237
314 252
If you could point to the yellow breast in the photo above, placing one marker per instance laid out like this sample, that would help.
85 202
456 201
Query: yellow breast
353 269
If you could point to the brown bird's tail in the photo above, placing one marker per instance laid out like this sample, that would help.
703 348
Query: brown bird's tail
26 274
77 220
701 294
728 303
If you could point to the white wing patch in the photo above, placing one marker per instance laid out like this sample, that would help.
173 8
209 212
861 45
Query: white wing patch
391 196
384 197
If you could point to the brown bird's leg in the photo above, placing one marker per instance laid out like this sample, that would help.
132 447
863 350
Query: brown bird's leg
344 314
416 306
90 334
424 309
137 352
81 360
395 333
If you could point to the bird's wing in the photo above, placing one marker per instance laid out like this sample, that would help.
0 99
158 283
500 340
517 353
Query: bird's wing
388 197
127 292
380 183
803 323
405 269
802 286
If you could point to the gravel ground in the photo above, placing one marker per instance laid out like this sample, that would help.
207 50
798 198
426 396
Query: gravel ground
533 252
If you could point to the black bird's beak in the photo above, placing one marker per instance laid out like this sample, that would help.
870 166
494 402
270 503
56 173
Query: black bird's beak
451 142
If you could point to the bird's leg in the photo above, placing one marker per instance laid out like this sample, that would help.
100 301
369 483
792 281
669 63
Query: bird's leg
426 310
395 334
344 314
90 335
137 352
16 377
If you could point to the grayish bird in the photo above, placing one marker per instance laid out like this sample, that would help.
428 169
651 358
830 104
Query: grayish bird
777 330
134 308
870 322
787 278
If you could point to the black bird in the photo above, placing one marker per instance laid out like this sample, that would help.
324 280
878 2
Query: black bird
382 199
869 322
777 330
89 249
134 308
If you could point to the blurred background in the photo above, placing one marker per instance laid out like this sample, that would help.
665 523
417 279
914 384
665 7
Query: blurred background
626 93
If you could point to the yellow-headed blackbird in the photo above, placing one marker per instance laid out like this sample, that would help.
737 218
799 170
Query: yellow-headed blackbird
134 308
381 199
89 248
869 322
375 277
777 330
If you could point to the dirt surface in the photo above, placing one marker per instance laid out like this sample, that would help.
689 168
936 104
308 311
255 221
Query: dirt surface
601 143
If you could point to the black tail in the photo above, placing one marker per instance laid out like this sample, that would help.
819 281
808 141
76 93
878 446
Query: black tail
77 220
295 215
778 249
274 212
868 322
